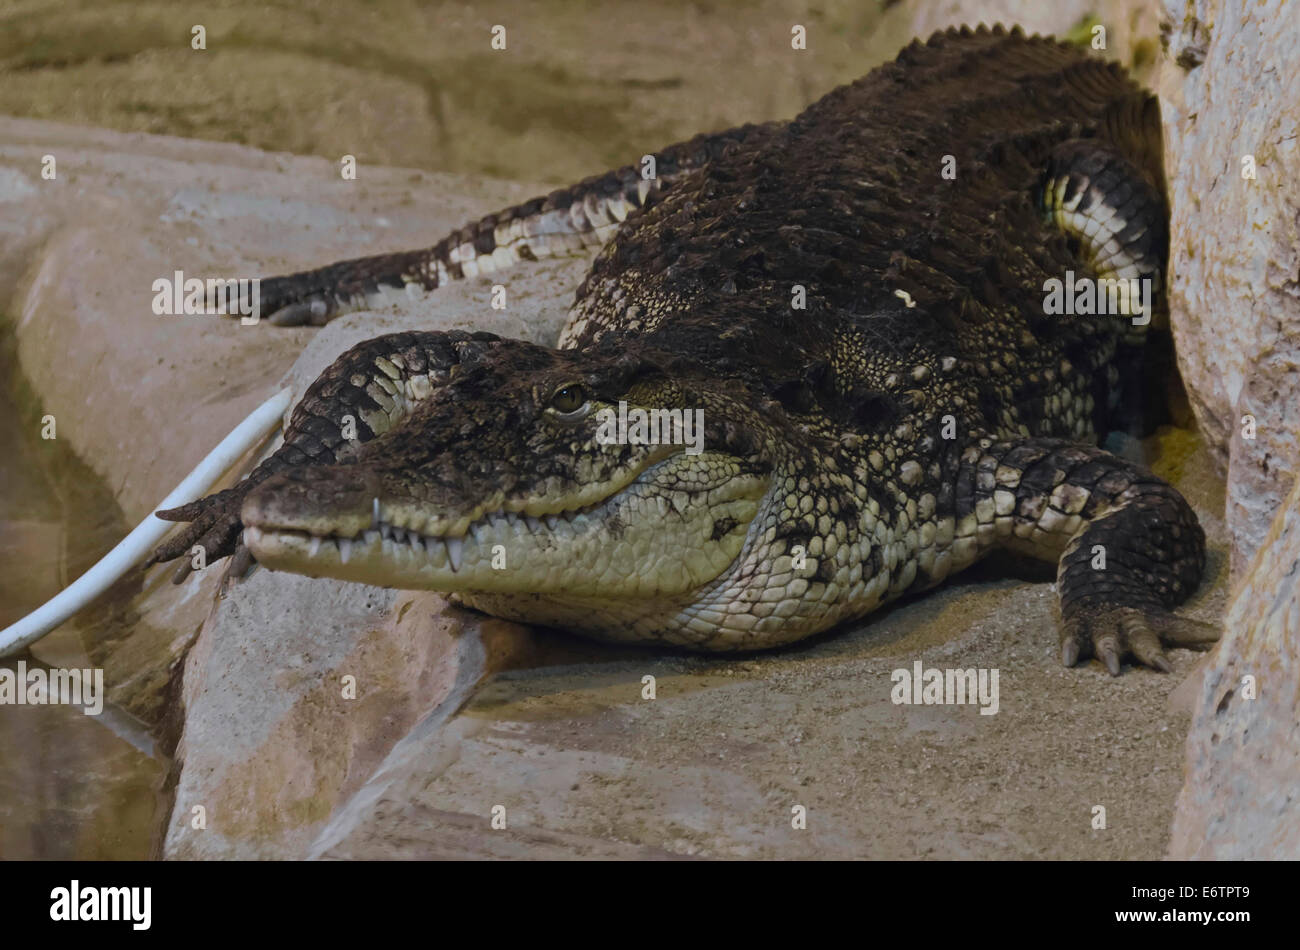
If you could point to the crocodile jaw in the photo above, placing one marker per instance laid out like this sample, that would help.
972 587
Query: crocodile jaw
673 529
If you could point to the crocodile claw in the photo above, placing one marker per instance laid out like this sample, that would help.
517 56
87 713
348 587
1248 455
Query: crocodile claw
214 525
1114 634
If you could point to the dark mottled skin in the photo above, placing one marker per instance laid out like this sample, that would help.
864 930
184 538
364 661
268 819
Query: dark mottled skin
919 412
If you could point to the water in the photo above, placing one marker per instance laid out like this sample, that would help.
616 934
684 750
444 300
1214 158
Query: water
70 787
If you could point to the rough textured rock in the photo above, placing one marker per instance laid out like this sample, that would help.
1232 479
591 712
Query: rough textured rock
1131 34
1230 89
1242 797
584 766
269 743
289 711
577 90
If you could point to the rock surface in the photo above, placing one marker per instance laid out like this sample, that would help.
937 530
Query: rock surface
1130 28
1231 95
295 692
118 397
576 91
1230 92
1242 796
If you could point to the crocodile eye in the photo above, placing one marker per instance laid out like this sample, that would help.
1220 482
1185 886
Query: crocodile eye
570 401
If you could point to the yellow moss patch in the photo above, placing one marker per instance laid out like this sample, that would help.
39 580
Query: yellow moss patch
1170 449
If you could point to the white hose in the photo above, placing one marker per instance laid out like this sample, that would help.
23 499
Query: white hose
140 542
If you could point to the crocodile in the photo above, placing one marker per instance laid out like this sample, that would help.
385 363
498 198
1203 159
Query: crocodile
851 302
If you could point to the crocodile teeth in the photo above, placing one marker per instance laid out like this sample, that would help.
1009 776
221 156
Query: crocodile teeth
436 545
315 546
484 530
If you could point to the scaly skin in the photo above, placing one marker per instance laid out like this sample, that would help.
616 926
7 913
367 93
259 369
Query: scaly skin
922 410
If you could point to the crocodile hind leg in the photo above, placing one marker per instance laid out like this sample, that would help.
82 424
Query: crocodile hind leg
363 394
1127 545
569 221
1108 199
1108 192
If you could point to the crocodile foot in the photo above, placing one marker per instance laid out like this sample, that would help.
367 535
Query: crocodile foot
1117 633
214 526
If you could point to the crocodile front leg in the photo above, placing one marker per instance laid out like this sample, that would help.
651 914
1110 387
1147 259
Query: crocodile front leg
1127 545
363 394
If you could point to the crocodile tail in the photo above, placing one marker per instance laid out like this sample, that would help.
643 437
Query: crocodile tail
569 221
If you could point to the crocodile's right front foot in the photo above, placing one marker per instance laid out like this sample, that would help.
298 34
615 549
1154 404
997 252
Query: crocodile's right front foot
214 526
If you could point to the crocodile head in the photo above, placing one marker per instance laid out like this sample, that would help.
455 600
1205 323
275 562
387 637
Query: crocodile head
511 483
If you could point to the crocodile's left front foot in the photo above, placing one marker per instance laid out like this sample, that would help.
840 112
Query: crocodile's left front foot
1127 545
1113 634
1139 553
